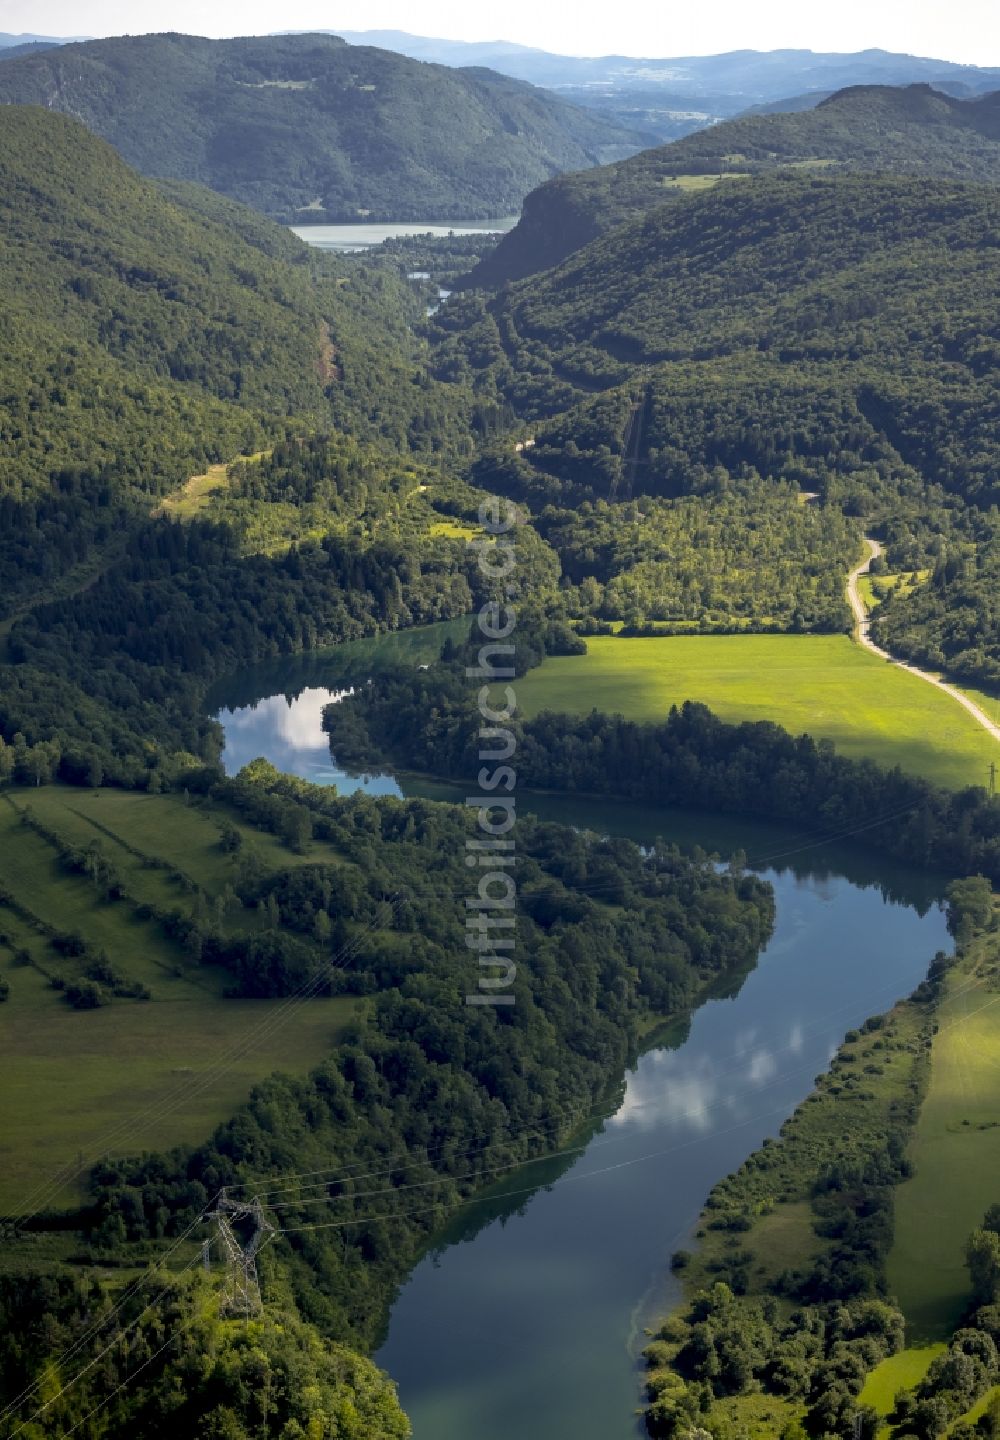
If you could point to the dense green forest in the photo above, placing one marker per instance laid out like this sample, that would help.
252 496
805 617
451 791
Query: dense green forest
147 337
219 447
910 130
324 541
307 128
182 1371
831 332
608 937
748 555
951 622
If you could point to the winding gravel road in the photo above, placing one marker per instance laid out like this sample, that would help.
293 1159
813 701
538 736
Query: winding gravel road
862 633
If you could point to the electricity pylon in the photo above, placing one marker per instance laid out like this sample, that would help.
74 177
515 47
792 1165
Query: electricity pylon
242 1292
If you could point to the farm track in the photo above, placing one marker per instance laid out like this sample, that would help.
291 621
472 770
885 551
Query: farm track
862 634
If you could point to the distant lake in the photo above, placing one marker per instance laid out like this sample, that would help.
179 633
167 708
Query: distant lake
364 237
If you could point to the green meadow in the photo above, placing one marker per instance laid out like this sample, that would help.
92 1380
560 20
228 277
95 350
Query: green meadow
133 1074
821 684
898 1372
955 1154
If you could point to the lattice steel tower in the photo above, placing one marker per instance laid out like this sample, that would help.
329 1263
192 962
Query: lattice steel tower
241 1231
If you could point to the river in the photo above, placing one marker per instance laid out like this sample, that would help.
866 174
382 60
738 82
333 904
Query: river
526 1321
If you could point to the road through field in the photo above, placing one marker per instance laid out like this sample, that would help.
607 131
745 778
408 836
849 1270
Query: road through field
862 634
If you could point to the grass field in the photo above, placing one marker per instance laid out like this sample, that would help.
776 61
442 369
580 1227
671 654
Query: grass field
692 184
980 1408
899 1372
822 684
195 493
956 1158
905 581
132 1074
454 529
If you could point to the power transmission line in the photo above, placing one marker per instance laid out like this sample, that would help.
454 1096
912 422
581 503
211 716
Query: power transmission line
242 1293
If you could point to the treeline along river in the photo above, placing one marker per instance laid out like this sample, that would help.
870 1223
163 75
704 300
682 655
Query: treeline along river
528 1317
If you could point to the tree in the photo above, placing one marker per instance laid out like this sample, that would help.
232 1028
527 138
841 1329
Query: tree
982 1256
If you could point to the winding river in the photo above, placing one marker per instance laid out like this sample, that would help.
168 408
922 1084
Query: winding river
526 1321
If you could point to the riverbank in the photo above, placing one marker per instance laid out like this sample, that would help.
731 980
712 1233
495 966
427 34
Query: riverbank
810 1222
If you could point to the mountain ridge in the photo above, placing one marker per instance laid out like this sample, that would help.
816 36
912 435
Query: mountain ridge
913 130
751 66
306 127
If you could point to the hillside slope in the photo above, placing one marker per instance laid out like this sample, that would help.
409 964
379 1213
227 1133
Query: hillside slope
912 131
148 336
307 125
837 332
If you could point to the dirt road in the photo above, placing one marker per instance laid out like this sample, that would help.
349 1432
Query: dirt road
862 633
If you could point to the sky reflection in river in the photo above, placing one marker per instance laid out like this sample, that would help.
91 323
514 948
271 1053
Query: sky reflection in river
555 1289
527 1319
289 732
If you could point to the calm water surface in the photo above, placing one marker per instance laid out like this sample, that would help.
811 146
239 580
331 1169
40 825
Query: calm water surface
365 237
527 1320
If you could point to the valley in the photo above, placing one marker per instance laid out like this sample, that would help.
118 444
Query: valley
663 525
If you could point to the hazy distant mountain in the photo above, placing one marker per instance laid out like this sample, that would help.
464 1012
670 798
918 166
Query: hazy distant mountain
673 97
755 75
452 52
305 126
33 47
912 130
21 42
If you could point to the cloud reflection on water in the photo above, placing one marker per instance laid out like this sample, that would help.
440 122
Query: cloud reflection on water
289 731
685 1091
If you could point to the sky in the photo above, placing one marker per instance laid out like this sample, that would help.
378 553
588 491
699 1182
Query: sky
964 30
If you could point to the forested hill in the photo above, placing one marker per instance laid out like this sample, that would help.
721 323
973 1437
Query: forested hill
912 130
147 335
838 333
306 126
825 268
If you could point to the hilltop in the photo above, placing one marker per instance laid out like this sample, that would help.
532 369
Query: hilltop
307 127
913 131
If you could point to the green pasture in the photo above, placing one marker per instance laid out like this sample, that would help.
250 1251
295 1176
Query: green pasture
898 1372
132 1074
956 1158
135 1076
824 685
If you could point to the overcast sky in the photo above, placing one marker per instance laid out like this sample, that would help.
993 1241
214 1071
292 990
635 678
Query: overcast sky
964 30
